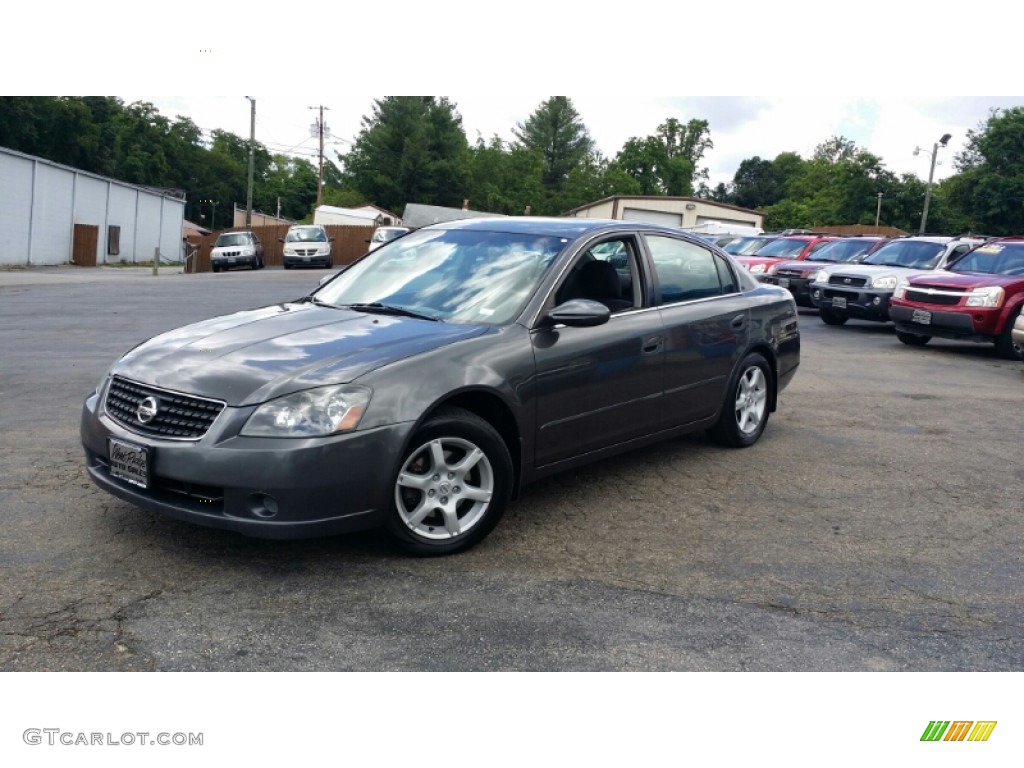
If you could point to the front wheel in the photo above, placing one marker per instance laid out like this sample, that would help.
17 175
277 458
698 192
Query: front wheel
1006 347
745 412
453 485
831 318
912 339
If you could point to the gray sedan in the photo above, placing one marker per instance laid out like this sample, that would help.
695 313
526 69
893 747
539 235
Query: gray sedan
421 387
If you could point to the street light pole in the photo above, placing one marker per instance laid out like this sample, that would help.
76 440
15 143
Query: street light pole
252 161
878 210
931 175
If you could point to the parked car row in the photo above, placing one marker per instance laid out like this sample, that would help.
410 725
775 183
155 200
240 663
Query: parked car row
968 288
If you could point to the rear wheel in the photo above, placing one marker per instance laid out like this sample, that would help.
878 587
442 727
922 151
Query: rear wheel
831 318
745 412
1006 347
912 339
453 485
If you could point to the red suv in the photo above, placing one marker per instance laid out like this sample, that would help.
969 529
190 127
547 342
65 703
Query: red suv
977 298
789 248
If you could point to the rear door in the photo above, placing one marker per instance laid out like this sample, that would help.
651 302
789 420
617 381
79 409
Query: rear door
706 321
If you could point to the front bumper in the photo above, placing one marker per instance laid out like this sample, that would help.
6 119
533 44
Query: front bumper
235 261
799 287
859 303
265 487
307 261
977 325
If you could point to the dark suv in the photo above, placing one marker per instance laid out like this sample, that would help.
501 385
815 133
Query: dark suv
798 275
976 299
862 291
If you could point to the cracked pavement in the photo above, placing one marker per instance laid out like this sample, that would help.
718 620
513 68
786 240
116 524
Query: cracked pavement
876 526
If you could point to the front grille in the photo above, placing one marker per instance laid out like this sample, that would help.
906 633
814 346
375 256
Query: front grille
178 416
947 299
230 254
853 282
830 294
306 251
790 273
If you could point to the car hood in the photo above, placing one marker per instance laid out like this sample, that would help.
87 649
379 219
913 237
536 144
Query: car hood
966 280
873 270
253 356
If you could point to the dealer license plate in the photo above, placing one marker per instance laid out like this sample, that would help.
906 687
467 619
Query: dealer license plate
921 316
839 302
129 462
784 282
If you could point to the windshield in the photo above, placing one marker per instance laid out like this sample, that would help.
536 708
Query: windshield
231 238
744 246
385 235
461 276
994 259
841 251
306 235
910 254
783 248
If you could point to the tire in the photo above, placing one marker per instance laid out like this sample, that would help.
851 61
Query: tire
1006 348
831 318
912 339
215 269
287 265
745 410
452 487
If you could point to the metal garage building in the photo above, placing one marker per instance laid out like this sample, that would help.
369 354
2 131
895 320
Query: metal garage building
672 211
52 214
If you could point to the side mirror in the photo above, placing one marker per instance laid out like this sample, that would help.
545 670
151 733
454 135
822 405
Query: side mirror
580 313
280 239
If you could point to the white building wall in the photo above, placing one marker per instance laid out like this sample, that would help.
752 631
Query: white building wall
40 203
15 208
122 214
52 215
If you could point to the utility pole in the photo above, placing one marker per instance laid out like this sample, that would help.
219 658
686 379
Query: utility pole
252 161
321 129
878 211
931 175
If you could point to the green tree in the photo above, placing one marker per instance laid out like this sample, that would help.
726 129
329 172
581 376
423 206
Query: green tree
666 163
410 149
986 195
557 133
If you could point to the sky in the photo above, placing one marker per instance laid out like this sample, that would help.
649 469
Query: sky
888 77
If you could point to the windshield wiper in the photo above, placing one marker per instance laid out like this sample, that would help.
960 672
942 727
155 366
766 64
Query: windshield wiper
390 309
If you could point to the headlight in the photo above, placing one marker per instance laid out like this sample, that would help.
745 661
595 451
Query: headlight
986 297
812 276
312 413
901 288
821 276
884 283
773 269
248 251
757 269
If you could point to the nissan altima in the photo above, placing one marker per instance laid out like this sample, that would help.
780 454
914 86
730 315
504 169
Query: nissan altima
421 387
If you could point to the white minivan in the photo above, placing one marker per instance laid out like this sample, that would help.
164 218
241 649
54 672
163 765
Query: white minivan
307 245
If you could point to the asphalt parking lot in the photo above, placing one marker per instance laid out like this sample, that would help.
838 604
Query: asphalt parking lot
876 526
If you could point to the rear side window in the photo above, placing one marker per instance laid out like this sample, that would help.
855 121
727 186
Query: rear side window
686 271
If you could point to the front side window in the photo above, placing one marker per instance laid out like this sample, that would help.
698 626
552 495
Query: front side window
459 276
685 271
607 273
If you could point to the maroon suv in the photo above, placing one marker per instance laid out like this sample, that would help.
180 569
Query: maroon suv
978 298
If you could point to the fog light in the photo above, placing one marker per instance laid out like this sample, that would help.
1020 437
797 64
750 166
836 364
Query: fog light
877 301
262 505
817 293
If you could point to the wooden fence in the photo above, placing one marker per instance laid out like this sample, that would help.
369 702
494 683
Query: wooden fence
349 244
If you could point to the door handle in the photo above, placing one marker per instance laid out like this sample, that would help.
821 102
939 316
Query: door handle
652 345
738 321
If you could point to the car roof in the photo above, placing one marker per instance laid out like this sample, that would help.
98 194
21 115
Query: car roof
553 226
